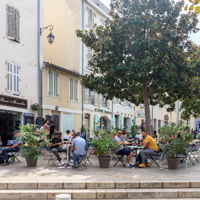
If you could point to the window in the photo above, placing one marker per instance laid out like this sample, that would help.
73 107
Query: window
118 101
13 19
90 18
89 57
13 77
53 84
73 89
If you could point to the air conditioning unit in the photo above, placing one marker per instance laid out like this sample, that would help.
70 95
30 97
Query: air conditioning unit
141 105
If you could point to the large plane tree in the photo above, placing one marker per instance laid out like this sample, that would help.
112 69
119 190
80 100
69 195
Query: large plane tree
141 53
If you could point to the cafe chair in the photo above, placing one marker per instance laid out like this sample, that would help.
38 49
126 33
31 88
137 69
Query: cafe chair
88 154
154 158
14 156
52 156
119 159
80 162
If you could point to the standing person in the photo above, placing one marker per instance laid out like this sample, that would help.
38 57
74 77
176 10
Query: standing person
78 148
52 130
55 144
46 128
150 147
121 150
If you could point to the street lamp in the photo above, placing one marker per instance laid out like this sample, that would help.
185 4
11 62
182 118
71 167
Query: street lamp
50 37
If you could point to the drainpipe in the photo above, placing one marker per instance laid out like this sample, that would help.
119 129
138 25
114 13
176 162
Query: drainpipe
82 61
112 110
39 70
152 115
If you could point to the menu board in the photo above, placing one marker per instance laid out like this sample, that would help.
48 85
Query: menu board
40 121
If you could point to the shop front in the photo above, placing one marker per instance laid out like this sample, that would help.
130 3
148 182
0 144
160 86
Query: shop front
11 116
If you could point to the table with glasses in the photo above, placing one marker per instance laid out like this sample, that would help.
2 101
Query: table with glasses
134 149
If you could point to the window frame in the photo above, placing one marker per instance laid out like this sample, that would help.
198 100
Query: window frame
17 74
71 97
53 84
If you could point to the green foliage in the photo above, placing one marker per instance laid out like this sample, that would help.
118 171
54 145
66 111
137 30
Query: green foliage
175 139
191 102
134 128
82 129
103 144
30 141
142 53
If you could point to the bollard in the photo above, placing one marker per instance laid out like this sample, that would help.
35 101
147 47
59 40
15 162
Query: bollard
63 197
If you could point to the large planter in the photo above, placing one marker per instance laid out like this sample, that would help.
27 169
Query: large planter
104 161
173 163
31 162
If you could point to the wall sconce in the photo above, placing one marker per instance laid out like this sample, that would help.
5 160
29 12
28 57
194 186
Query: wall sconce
56 108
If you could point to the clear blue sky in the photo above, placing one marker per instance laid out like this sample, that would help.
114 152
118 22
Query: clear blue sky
194 37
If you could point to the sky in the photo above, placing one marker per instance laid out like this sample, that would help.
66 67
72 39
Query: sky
194 37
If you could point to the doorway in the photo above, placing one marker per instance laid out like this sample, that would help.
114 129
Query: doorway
9 122
87 125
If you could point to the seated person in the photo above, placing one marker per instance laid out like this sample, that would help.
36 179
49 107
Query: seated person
78 147
55 143
14 148
121 150
155 135
96 135
123 137
150 147
138 135
67 136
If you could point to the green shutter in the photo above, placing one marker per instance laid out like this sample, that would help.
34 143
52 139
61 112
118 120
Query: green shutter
96 122
121 122
131 122
112 124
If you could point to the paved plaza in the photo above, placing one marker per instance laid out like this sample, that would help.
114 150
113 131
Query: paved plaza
48 171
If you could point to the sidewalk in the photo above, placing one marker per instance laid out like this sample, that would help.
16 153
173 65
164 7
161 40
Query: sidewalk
47 171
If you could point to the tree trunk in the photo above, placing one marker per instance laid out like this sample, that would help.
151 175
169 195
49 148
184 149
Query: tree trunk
146 106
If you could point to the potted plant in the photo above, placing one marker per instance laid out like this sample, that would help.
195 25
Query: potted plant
134 128
36 106
102 147
175 142
33 141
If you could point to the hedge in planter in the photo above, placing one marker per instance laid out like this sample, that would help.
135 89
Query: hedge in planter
102 146
175 142
33 142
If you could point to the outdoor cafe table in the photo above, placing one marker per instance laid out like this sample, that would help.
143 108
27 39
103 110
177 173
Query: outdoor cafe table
67 146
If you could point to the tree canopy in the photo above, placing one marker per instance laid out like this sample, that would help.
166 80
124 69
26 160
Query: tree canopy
141 53
191 103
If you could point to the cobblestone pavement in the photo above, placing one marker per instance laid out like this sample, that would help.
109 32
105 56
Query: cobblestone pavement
48 171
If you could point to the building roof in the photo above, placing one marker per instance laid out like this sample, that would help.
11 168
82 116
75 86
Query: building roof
62 69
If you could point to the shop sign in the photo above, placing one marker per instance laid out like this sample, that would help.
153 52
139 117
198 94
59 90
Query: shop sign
166 118
104 111
14 102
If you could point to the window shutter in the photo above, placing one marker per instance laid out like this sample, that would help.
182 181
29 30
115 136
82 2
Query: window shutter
114 100
89 18
10 22
100 100
86 21
50 83
17 25
96 99
75 90
71 89
85 95
93 19
14 79
108 104
55 84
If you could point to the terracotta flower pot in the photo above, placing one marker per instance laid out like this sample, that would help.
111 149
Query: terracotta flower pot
104 161
31 162
173 163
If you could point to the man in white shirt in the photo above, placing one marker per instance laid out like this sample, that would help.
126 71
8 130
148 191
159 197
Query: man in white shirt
78 147
121 150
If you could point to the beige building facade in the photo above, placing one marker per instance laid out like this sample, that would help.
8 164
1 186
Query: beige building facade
19 64
69 53
62 97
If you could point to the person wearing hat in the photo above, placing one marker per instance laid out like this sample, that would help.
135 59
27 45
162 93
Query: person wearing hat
14 148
